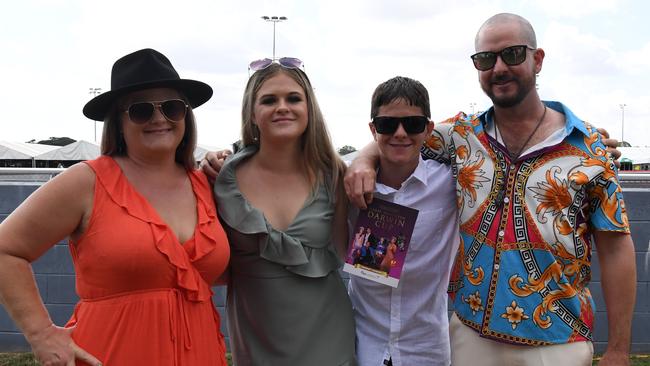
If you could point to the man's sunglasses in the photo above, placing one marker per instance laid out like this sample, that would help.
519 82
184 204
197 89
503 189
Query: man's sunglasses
174 110
411 124
286 62
511 56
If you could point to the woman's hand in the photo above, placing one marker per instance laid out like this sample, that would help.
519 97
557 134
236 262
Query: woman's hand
53 346
212 163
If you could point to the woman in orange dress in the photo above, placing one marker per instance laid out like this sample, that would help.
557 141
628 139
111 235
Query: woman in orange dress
388 261
144 235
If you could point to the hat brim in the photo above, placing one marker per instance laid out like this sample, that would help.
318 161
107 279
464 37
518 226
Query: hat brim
195 91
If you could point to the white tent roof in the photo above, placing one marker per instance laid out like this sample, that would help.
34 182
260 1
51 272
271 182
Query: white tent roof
22 150
347 158
637 154
202 149
80 150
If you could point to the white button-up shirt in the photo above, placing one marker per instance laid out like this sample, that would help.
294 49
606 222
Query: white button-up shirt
409 324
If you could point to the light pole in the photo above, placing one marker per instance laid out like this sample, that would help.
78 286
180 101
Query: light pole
472 105
623 105
274 20
95 92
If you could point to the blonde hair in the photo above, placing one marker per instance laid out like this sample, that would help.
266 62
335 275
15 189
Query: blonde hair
322 162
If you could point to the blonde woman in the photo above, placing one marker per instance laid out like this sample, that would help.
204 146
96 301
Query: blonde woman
283 209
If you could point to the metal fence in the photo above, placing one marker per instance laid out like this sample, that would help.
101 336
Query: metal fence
55 275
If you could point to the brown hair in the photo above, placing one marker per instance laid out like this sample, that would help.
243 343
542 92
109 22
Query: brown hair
400 87
321 160
113 143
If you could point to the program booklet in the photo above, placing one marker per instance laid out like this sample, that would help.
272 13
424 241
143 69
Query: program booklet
380 241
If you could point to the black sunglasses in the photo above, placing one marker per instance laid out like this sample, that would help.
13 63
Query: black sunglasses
411 124
511 56
174 110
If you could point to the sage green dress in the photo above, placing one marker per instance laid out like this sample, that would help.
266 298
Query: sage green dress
287 304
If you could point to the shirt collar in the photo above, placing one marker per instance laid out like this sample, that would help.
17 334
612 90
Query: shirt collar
419 174
572 121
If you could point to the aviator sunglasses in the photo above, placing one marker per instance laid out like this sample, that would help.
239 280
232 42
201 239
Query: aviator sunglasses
174 110
286 62
411 124
511 56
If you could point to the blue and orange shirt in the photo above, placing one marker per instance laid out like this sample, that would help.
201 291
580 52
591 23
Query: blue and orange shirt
524 260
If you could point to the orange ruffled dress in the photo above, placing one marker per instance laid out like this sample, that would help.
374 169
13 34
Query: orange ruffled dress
145 297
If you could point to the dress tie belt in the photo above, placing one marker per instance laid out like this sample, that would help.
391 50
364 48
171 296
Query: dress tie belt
178 317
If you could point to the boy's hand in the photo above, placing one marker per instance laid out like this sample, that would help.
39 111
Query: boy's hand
611 145
359 182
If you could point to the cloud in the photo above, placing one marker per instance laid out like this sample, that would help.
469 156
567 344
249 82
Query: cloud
577 8
636 62
60 48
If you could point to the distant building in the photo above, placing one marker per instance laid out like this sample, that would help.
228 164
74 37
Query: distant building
635 158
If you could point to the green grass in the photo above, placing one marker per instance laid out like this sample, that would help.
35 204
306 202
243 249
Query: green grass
17 359
635 360
26 359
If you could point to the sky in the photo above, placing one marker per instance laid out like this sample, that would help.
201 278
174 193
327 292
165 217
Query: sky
54 51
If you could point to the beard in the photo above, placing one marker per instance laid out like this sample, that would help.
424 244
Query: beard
523 87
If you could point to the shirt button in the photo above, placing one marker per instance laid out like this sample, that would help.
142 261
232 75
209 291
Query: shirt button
512 166
496 267
501 233
506 199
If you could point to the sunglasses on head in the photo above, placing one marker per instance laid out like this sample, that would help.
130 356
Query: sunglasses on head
174 110
286 62
511 56
411 124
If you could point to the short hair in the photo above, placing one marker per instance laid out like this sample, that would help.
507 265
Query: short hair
400 87
527 33
113 143
322 162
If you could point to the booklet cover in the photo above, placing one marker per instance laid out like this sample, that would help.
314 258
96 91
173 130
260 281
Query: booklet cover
380 242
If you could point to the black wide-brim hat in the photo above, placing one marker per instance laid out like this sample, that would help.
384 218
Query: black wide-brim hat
145 69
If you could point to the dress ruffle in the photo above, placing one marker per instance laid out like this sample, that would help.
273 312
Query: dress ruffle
124 194
274 245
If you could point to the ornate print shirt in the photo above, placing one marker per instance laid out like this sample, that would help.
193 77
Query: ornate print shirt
524 260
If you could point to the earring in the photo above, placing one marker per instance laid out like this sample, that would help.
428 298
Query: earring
256 133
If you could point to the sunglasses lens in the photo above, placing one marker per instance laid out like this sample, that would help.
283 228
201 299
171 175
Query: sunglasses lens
174 109
260 64
484 60
290 62
140 112
514 55
415 124
385 125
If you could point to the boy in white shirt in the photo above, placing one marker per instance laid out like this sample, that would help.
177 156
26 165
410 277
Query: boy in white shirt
408 325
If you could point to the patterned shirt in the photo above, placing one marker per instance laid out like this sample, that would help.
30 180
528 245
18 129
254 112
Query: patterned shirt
524 260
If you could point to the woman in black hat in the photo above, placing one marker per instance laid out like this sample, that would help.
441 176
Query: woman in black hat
143 232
